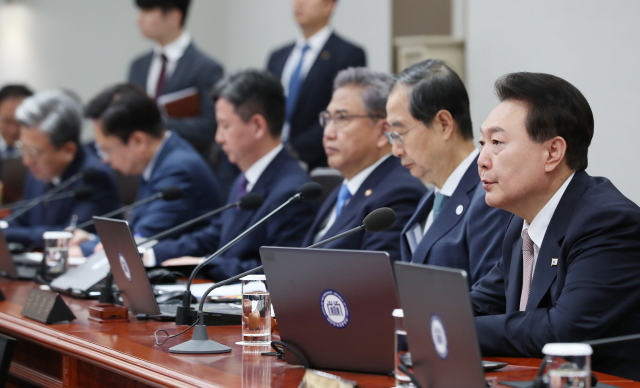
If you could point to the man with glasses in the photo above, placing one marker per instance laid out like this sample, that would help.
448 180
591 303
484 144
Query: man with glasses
50 125
354 141
430 129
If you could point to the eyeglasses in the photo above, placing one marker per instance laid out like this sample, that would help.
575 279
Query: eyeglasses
32 152
341 119
396 136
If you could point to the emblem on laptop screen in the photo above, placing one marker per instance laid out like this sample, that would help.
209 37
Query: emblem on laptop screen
125 267
439 337
334 308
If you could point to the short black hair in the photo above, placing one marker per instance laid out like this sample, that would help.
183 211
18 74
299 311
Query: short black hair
435 86
254 92
14 91
556 108
167 5
123 109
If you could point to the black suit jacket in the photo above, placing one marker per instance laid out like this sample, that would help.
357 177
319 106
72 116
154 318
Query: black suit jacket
194 68
315 94
586 282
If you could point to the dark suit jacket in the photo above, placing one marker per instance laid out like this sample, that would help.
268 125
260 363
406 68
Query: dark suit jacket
471 240
177 164
56 215
277 183
389 185
194 68
593 291
315 93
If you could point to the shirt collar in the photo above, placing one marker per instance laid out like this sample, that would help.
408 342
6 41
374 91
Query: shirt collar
538 227
316 41
253 173
146 175
451 184
175 49
354 183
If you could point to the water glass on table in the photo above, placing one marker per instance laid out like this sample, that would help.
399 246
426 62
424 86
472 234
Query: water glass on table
403 356
567 365
256 311
56 251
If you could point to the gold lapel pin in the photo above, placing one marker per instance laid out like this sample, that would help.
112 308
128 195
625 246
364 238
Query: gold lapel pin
368 192
554 261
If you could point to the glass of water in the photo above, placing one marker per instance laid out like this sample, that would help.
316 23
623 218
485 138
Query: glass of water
403 357
256 311
56 251
568 365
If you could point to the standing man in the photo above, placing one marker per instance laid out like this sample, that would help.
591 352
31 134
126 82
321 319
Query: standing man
431 132
50 125
307 69
250 109
175 65
11 96
354 140
570 266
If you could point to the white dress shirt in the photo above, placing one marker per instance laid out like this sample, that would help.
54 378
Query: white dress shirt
146 174
538 227
353 185
173 51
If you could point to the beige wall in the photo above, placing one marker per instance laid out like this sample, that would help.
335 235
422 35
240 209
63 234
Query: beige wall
421 17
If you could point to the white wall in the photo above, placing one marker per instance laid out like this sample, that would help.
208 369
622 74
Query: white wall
592 44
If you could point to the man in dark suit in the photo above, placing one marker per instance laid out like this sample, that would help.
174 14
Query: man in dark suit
11 96
355 143
174 65
570 267
50 125
250 111
307 69
131 137
428 111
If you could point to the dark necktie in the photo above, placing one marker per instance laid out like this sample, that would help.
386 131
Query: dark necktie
295 82
161 78
438 203
242 188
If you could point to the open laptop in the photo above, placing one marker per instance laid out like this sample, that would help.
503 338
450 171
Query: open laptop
441 330
25 270
131 277
334 306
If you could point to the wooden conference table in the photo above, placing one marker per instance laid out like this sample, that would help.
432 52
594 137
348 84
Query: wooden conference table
87 354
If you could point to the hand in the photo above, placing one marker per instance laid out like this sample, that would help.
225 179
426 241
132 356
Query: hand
80 236
98 248
184 260
75 251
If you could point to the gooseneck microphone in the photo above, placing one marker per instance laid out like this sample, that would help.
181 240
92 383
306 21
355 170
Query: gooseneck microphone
82 193
376 221
306 192
169 193
88 175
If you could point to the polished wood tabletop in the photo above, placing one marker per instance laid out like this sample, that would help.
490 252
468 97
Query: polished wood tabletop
83 353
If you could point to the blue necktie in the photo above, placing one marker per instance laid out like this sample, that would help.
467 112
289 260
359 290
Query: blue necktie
343 197
294 88
242 188
439 203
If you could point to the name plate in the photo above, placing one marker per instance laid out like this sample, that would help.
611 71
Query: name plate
46 307
318 379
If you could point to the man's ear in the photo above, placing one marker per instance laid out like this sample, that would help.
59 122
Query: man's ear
556 149
447 125
261 128
382 127
136 139
69 149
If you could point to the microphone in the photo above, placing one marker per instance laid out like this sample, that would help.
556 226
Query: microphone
169 193
306 192
376 221
90 174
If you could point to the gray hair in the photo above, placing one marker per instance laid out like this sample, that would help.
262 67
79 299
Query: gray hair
55 112
376 87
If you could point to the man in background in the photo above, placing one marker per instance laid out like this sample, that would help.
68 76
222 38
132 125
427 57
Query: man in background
307 69
11 96
354 140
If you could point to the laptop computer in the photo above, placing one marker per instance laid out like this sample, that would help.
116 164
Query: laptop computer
8 268
334 306
441 330
131 277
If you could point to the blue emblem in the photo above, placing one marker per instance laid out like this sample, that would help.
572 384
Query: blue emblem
334 308
125 267
439 337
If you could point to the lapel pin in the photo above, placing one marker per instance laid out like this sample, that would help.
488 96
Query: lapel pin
459 209
554 261
368 192
325 55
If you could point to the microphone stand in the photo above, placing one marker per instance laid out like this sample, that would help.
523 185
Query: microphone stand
122 209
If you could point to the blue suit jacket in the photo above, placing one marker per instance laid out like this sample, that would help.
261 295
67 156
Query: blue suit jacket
593 291
56 215
389 185
471 240
315 93
277 183
194 68
177 164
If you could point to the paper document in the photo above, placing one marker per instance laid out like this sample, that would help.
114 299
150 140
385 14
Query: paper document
198 289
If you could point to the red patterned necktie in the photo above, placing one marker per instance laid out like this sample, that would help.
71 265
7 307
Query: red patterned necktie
163 71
